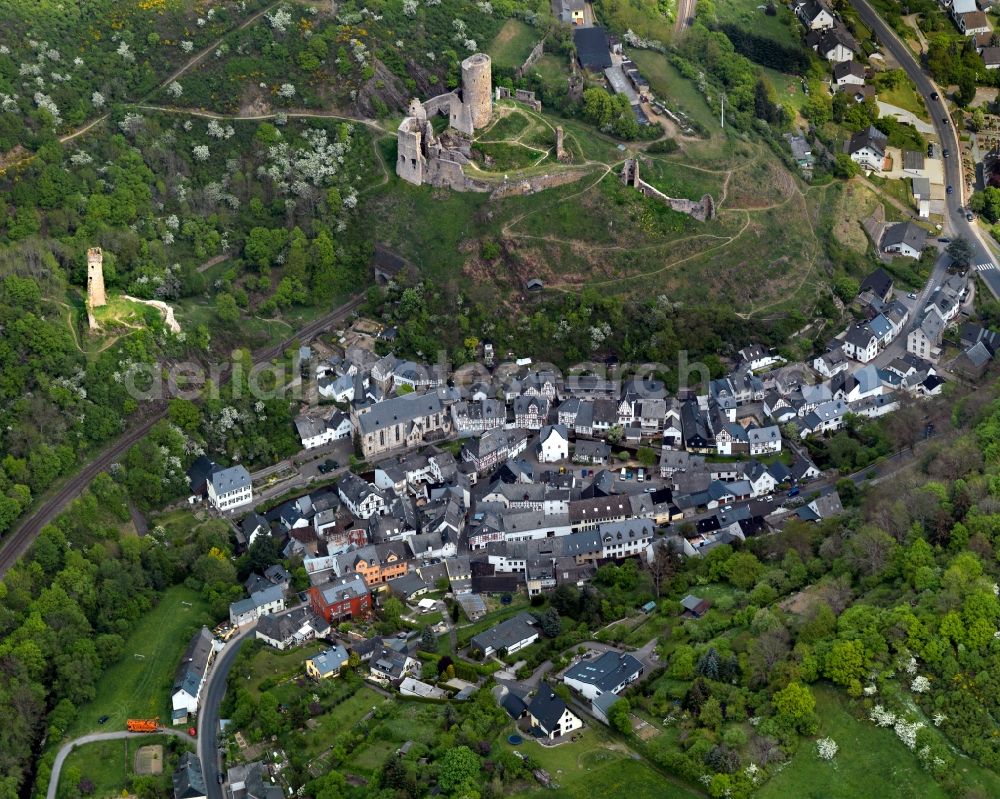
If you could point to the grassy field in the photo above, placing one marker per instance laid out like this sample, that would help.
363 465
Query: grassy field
139 685
552 68
788 89
341 718
678 92
513 43
597 766
871 762
750 15
108 764
271 664
905 96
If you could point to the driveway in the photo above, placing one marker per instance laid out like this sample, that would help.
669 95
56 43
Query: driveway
902 115
100 736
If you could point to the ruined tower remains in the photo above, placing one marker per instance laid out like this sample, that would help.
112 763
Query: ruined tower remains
477 88
95 284
422 157
561 154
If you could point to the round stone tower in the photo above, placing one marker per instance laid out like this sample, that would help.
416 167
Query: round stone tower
477 88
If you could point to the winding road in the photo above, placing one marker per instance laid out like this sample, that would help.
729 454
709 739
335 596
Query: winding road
94 737
17 542
983 261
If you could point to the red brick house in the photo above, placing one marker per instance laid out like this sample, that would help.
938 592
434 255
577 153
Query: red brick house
341 598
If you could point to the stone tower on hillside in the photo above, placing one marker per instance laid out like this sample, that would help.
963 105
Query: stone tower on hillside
95 278
477 88
95 284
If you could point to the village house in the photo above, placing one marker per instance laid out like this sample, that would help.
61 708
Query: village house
189 778
393 665
530 412
848 73
867 148
261 603
904 238
508 636
553 444
189 678
478 416
360 497
493 448
291 629
341 598
612 672
230 488
924 340
376 563
814 15
327 663
549 714
860 343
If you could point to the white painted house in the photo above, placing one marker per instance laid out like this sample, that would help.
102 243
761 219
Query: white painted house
230 488
553 444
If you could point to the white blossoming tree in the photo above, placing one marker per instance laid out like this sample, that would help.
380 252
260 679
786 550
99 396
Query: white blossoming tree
287 90
920 684
827 748
175 89
201 152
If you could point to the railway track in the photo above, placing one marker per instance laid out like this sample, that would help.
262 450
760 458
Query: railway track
18 541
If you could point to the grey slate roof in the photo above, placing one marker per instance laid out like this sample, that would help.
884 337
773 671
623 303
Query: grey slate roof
506 633
406 408
189 779
905 233
607 672
194 664
547 708
232 479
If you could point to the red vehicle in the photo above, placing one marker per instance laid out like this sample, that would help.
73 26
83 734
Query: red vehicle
192 732
142 725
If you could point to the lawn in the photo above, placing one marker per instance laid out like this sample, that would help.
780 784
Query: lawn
513 43
270 664
749 14
679 93
341 718
109 764
600 767
871 761
904 95
552 68
138 686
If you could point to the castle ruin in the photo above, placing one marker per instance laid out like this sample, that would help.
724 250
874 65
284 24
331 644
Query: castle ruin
705 209
424 157
96 297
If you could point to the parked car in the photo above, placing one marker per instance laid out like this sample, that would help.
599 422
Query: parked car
945 152
949 190
794 492
220 777
935 96
944 240
728 507
769 498
968 216
911 296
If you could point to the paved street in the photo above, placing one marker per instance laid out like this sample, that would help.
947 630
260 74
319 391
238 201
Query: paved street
982 260
208 714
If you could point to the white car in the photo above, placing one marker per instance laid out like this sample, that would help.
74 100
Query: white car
769 498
